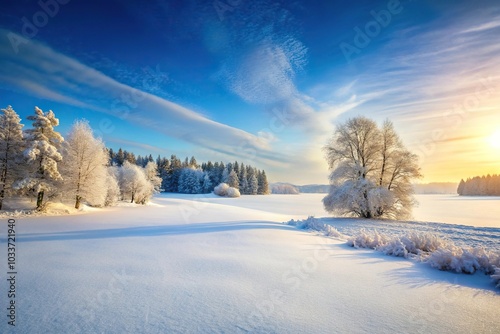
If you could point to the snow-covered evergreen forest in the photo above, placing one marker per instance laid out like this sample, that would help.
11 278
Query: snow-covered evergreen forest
40 164
480 186
188 176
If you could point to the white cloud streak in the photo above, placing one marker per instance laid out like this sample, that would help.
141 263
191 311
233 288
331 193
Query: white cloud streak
43 72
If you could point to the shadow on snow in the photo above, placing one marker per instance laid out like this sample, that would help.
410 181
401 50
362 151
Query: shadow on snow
151 231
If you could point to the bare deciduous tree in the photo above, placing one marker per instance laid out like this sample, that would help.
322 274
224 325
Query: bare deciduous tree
371 171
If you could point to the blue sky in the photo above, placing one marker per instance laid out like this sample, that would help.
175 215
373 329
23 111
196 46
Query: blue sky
263 82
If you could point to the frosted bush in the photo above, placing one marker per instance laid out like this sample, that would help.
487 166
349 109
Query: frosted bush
232 192
468 260
395 248
224 189
366 240
314 224
221 189
415 243
454 259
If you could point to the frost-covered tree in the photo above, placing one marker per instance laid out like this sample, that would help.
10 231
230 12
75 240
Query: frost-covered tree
112 187
193 163
236 168
130 157
262 184
243 180
371 171
232 180
171 181
151 170
207 184
120 157
11 150
111 159
84 166
134 184
225 174
253 184
488 185
190 181
42 155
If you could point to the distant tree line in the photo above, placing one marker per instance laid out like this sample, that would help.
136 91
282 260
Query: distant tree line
189 177
488 185
284 189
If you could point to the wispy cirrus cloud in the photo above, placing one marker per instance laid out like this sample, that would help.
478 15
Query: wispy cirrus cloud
41 71
494 23
263 57
136 144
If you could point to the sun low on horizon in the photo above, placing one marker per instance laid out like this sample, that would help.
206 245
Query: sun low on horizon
494 140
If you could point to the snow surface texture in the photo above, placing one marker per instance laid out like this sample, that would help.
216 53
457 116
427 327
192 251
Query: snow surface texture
480 211
209 264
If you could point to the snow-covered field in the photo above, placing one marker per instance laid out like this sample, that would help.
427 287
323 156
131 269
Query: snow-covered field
479 211
202 264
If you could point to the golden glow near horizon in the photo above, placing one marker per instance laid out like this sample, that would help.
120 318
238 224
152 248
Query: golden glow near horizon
494 139
455 148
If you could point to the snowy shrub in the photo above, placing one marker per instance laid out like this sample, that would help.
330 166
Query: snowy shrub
413 243
366 240
232 192
314 224
464 260
224 189
454 259
221 189
422 242
394 247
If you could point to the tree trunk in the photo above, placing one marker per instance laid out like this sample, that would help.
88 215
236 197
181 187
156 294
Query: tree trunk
3 180
39 200
77 202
